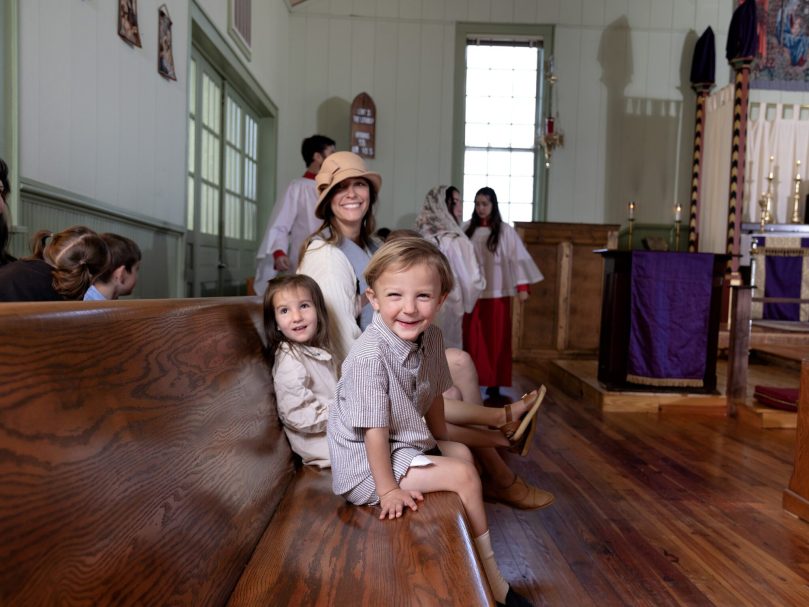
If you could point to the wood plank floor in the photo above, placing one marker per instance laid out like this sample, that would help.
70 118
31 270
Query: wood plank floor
653 509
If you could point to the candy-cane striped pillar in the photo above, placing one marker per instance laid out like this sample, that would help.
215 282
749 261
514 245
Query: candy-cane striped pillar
702 91
737 158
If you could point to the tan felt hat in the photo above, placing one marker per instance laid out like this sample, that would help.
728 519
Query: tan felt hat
338 167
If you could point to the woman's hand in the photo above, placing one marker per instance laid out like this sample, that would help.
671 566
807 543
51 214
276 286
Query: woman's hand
394 501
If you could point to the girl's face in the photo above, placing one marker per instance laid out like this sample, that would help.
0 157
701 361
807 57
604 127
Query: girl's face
295 314
350 202
483 206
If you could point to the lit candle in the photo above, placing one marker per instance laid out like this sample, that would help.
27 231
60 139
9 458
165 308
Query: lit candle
797 170
678 212
632 210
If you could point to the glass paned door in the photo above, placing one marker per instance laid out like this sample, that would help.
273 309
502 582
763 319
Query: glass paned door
222 185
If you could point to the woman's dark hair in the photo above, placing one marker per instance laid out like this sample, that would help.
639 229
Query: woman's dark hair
271 331
332 236
448 197
495 221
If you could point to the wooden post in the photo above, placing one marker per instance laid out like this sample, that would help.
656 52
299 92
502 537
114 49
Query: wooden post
564 261
796 496
738 347
702 91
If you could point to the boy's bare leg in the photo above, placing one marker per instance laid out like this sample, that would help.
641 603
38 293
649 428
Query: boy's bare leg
451 474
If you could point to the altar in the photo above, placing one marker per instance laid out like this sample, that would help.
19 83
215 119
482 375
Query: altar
779 269
660 320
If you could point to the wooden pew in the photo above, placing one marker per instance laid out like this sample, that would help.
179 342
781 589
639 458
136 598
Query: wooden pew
142 463
796 496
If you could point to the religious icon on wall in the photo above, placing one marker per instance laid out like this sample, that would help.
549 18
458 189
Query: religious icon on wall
165 58
782 57
128 21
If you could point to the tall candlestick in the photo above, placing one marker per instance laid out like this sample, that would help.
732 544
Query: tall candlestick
796 197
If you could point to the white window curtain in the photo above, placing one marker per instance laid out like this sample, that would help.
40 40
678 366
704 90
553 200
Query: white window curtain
780 131
718 133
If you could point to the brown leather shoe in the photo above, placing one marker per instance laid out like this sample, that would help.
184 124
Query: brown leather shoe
518 495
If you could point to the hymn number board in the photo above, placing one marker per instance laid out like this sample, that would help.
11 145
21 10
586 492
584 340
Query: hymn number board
363 126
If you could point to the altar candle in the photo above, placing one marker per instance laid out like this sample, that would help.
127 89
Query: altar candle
678 212
631 210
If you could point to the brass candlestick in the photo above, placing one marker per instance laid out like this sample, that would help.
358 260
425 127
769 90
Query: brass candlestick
631 221
677 235
796 197
768 195
763 203
678 217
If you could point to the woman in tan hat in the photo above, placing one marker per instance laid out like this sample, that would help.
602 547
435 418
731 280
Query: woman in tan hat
336 257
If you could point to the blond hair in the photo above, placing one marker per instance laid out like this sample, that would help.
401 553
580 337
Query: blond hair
403 253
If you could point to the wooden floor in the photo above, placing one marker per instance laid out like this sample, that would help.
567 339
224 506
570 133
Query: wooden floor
653 509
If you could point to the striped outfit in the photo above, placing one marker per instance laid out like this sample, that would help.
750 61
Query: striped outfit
387 382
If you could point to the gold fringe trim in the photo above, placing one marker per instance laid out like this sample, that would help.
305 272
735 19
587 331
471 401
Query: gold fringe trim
775 252
659 381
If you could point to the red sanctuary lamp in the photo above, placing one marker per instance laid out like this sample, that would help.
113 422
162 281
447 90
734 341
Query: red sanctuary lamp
551 136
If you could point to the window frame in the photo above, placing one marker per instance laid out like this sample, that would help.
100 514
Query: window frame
463 31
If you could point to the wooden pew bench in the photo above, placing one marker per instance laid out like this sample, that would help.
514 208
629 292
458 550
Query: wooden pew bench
142 463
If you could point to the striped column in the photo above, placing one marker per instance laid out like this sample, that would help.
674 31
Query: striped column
702 91
737 158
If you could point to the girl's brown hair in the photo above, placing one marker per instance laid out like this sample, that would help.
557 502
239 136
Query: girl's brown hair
77 255
271 331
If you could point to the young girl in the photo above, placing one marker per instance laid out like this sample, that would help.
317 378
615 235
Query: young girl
296 322
508 269
388 410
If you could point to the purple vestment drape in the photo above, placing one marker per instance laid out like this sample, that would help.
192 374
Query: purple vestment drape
669 308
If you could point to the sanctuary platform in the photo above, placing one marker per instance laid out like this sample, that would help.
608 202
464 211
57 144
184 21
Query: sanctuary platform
578 379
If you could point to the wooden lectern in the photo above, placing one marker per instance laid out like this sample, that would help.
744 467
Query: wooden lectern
616 320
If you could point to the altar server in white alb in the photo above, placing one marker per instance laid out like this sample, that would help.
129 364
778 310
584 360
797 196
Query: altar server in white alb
293 217
509 270
436 223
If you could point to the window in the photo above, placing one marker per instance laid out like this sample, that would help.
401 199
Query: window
502 99
236 139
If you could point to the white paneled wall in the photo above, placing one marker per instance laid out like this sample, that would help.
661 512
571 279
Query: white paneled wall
96 119
623 103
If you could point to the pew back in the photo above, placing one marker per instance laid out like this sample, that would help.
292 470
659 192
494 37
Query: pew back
141 457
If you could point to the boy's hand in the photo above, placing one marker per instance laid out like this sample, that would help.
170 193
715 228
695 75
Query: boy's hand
393 502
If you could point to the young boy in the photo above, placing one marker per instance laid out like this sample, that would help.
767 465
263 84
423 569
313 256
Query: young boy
389 409
121 274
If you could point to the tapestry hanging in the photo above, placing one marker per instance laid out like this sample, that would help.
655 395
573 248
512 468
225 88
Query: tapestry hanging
782 57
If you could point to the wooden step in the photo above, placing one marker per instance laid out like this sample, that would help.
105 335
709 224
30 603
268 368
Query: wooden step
579 379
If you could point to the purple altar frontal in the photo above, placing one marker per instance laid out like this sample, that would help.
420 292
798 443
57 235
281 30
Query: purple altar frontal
660 320
781 274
